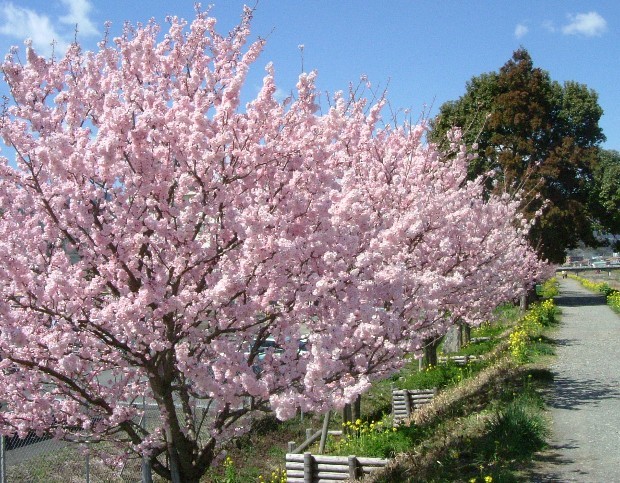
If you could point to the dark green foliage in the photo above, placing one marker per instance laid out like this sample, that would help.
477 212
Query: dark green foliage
605 193
606 290
537 137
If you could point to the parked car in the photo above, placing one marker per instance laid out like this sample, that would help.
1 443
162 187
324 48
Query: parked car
271 343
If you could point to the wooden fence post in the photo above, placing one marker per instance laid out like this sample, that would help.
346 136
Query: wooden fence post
407 402
352 461
308 468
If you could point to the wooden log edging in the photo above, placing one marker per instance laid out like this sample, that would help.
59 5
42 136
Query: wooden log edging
309 468
475 340
405 401
460 360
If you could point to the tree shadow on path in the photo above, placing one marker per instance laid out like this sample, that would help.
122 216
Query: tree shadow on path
553 456
578 299
571 394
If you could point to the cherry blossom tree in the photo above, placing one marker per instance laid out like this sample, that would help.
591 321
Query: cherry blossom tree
155 235
458 254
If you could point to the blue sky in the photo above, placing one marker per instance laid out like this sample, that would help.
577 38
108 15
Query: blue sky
424 51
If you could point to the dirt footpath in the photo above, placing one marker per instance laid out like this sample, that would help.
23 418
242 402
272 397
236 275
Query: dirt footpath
585 400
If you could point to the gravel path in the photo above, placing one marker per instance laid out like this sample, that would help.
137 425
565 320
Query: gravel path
585 401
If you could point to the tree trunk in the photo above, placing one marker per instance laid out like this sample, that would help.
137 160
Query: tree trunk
465 330
527 298
356 409
175 475
430 352
347 417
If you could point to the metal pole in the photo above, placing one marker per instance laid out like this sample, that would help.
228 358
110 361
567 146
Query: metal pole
324 432
87 469
147 474
173 457
2 459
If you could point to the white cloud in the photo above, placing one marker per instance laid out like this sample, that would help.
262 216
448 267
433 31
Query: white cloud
521 30
22 23
78 15
590 24
550 26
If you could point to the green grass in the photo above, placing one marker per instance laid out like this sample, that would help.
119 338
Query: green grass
516 431
479 348
507 313
440 376
490 428
541 347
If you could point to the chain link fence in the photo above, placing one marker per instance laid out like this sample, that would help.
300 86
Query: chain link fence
41 459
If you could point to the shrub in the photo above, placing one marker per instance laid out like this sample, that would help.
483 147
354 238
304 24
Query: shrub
549 289
613 299
530 328
546 312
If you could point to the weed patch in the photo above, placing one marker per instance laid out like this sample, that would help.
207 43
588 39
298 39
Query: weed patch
515 432
375 439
